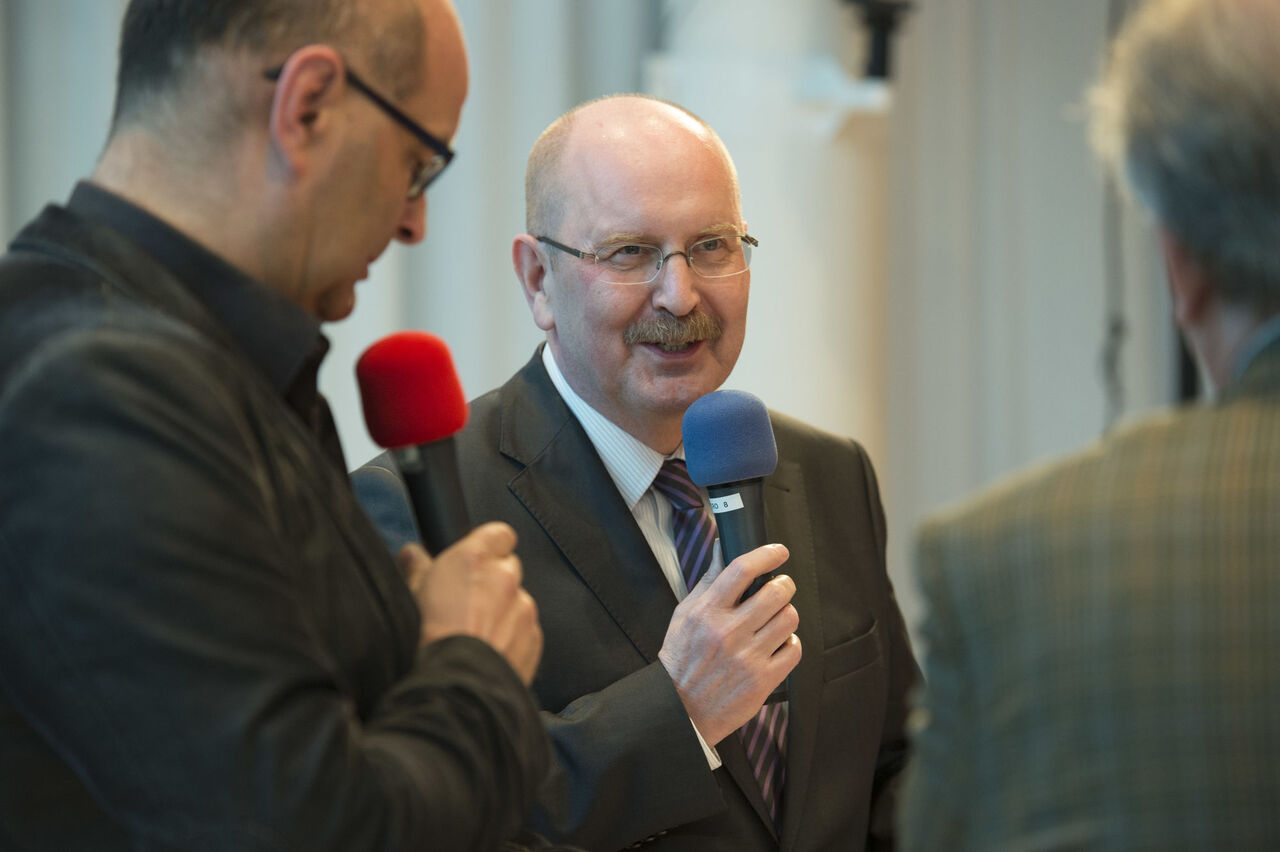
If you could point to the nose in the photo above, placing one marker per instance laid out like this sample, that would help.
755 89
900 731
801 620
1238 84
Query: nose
412 226
675 289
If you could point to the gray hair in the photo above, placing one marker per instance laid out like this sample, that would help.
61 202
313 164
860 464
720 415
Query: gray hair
1188 116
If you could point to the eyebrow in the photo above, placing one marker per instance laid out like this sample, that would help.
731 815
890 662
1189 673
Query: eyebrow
625 237
645 239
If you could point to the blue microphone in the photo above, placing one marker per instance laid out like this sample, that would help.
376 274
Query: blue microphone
729 449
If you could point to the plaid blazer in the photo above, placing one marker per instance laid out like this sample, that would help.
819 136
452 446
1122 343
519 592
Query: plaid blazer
1103 635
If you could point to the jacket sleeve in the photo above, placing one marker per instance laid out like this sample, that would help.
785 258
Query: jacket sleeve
904 675
629 742
939 779
159 628
385 499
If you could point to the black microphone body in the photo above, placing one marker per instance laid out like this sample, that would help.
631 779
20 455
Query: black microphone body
431 476
739 512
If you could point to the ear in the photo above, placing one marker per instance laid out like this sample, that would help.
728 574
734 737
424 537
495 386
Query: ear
311 83
531 269
1189 286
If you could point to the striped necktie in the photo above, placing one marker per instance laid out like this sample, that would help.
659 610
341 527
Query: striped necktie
693 528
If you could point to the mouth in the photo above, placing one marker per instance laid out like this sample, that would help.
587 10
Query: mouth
668 350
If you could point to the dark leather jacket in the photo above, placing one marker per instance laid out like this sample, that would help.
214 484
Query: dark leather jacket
203 642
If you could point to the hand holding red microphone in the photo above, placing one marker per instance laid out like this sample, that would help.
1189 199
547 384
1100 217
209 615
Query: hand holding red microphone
413 405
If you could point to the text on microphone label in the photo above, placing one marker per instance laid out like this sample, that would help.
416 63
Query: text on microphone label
727 503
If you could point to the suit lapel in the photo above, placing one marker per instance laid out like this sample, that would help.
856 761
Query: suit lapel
787 520
565 486
787 516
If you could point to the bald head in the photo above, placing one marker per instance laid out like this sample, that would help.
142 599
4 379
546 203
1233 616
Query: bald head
608 184
612 122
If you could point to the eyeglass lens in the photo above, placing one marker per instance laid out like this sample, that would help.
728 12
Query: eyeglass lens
716 257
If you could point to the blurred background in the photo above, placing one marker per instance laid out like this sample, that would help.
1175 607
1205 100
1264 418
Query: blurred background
943 273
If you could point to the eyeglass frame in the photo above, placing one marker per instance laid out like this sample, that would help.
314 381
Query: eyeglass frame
662 261
425 175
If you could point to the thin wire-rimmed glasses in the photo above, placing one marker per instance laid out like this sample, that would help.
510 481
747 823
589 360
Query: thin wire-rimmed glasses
635 263
429 170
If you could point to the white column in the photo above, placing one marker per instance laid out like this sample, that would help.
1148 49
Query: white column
778 82
999 285
59 87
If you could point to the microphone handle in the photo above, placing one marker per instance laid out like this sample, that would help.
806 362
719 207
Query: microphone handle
430 473
739 510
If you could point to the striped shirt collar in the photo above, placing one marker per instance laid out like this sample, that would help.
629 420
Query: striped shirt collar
630 463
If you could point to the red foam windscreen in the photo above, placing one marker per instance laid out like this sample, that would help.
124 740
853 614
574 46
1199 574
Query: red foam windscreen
410 390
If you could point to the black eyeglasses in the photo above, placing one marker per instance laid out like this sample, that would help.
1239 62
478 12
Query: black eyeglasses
428 171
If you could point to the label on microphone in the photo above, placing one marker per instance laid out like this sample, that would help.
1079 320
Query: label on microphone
727 503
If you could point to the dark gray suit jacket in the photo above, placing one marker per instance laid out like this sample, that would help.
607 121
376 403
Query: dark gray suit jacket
1103 668
203 643
629 767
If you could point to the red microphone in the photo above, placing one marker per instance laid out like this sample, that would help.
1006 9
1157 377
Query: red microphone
413 406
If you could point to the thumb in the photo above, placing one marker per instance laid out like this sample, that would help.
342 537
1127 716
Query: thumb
413 563
714 570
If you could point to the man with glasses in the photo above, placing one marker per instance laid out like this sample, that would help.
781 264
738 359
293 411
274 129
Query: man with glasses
636 265
203 643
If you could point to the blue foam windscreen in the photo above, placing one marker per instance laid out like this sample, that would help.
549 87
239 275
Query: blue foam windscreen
728 437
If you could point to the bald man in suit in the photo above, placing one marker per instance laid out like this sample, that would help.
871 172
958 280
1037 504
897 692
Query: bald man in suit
635 264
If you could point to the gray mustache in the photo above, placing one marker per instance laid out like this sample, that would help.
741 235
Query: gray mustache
668 330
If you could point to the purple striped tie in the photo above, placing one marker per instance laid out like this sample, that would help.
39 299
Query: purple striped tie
693 528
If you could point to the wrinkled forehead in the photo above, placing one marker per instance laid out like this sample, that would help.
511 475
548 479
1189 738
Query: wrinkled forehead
664 174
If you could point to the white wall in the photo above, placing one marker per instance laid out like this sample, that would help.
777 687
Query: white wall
814 194
57 69
931 279
998 305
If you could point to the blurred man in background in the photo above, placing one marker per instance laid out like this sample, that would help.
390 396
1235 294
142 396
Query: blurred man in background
1102 633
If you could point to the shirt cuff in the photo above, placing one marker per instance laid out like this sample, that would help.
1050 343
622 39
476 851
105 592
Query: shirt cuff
713 759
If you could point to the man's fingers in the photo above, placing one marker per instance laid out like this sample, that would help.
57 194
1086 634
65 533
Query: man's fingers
778 630
768 600
411 559
739 573
523 648
495 537
785 659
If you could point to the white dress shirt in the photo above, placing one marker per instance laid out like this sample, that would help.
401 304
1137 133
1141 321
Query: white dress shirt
632 465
